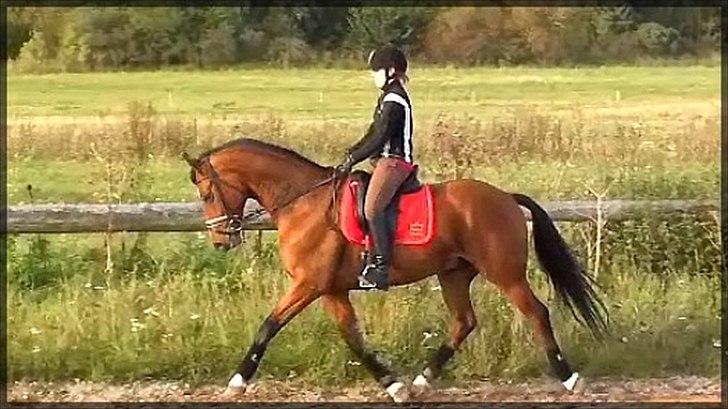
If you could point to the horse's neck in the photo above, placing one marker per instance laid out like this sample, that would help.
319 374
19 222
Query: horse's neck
276 181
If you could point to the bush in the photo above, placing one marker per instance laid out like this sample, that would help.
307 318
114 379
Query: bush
372 27
107 38
288 50
19 31
218 46
470 35
156 38
33 55
98 39
657 38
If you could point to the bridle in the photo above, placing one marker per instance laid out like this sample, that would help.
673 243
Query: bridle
232 221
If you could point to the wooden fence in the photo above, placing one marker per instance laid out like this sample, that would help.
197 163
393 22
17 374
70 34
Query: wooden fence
84 218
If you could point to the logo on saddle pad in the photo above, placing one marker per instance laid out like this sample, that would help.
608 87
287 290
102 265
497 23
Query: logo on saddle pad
416 229
415 222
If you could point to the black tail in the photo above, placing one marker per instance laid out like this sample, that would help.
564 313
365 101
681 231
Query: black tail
572 284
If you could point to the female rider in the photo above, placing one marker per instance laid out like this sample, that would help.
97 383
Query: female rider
388 142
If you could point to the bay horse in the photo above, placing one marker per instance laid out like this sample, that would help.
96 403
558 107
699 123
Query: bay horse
480 229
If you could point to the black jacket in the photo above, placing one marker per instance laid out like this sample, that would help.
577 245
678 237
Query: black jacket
390 134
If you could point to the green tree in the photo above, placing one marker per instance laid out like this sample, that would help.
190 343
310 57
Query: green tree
372 27
47 22
156 38
322 27
98 38
19 30
218 45
473 35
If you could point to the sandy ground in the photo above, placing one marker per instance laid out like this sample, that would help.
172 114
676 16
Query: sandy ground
683 389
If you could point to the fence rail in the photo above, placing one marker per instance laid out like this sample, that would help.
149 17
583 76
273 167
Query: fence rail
87 218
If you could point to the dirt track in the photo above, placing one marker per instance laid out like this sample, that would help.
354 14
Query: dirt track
685 389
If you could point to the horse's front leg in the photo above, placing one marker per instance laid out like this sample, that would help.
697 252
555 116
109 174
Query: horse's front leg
296 299
455 287
339 307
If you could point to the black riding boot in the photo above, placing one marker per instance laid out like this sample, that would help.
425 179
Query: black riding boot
376 273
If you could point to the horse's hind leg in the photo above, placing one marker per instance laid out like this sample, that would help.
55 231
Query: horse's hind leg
339 307
455 286
525 300
501 254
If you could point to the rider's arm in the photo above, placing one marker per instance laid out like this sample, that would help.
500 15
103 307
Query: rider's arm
369 131
364 138
380 131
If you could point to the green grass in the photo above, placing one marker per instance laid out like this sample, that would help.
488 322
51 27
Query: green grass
173 308
331 94
167 179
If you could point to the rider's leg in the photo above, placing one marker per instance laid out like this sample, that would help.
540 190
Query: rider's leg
388 176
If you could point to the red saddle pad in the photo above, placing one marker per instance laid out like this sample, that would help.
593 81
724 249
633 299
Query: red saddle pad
415 223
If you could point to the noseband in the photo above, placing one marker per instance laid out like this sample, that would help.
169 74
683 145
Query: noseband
231 221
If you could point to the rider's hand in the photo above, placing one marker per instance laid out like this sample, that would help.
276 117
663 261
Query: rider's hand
346 166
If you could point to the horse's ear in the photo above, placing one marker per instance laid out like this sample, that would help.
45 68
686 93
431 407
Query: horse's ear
188 159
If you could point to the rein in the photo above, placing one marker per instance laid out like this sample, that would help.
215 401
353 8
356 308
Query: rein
257 212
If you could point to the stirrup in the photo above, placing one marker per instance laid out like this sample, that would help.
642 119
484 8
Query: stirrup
364 283
368 277
363 280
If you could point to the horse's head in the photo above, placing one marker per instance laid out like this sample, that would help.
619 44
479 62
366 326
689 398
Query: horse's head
223 199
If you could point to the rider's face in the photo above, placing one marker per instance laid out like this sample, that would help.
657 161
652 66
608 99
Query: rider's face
380 77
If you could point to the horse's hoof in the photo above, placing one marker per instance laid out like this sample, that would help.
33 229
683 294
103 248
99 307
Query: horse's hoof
236 387
571 383
234 392
398 392
420 385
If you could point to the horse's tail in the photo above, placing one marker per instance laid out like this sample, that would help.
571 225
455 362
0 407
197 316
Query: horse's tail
572 284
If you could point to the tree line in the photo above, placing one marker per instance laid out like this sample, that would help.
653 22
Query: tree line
85 38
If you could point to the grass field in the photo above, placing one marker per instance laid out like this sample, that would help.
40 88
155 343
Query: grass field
168 306
314 94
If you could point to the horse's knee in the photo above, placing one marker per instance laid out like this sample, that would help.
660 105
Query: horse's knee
466 323
469 322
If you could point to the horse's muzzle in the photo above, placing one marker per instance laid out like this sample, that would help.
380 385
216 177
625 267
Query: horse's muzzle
222 246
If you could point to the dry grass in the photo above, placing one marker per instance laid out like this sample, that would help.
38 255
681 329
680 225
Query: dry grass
525 133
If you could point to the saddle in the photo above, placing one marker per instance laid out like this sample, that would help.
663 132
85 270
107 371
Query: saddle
410 215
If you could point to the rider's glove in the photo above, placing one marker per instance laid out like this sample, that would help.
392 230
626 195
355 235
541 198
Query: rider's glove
346 166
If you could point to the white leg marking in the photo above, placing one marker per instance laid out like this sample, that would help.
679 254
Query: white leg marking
236 381
398 392
571 382
236 385
421 381
420 385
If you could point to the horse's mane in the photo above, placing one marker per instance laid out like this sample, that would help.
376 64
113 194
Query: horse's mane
249 143
254 144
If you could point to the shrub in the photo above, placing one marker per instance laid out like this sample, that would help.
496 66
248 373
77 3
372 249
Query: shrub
218 45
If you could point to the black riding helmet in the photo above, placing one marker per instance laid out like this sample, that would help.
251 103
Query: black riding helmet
386 57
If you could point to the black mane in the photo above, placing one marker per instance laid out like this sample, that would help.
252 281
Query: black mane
248 143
